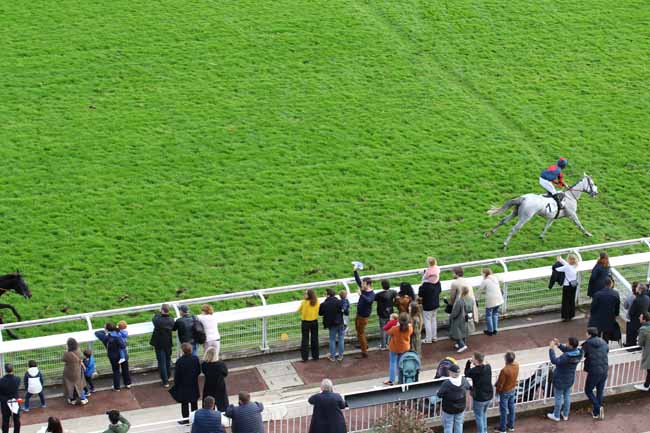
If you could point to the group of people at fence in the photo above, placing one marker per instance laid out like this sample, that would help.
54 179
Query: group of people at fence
403 316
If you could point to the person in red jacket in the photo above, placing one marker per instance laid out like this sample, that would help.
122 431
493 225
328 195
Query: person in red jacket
551 177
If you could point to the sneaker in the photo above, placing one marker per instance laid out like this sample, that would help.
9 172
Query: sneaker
486 332
462 349
494 332
83 402
595 416
602 413
498 430
511 429
564 418
165 385
331 358
552 417
642 387
426 341
43 406
456 346
434 340
121 360
116 389
340 358
128 386
25 409
70 402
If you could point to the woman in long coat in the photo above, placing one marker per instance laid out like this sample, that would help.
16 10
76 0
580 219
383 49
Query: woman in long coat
460 324
599 275
186 381
215 372
73 377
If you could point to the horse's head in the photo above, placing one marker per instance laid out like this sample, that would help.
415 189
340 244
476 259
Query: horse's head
589 186
20 286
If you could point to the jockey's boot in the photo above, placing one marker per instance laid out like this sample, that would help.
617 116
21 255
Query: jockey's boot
559 198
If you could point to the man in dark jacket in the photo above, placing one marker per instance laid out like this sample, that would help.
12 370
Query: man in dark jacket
9 385
564 375
207 419
596 364
328 406
184 326
161 340
639 306
385 300
364 309
453 393
247 417
482 391
332 313
605 308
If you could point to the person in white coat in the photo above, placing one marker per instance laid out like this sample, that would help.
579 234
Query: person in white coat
493 301
569 286
209 321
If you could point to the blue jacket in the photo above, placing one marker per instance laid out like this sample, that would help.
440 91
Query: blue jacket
565 366
595 350
89 363
246 418
364 306
552 173
114 350
207 421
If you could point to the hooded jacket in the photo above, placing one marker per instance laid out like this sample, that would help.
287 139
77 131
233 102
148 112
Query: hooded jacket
595 350
33 380
565 366
453 393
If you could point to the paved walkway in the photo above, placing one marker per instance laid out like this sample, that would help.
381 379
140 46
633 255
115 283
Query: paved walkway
279 379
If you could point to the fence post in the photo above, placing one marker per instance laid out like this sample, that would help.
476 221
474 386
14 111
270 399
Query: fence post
647 277
505 285
89 323
264 347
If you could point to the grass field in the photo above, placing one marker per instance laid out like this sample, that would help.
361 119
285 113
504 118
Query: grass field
219 146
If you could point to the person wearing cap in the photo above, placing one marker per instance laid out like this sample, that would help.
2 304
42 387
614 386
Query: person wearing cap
453 393
183 327
553 176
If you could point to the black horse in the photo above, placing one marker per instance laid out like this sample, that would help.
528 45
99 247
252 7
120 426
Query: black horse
15 282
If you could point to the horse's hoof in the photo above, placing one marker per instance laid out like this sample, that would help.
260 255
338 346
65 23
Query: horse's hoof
486 235
588 234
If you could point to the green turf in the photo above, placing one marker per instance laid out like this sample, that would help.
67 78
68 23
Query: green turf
219 146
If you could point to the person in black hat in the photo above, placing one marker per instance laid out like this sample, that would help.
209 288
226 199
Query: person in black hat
453 393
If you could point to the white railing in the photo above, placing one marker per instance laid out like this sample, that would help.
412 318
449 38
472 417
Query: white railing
624 371
276 326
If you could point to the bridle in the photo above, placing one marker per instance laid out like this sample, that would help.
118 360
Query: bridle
589 191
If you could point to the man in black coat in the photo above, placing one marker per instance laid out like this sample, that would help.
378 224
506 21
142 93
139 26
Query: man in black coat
385 300
596 365
184 326
328 410
161 340
332 312
605 308
9 385
639 306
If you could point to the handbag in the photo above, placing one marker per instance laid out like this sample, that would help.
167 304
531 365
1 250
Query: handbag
173 391
448 306
198 331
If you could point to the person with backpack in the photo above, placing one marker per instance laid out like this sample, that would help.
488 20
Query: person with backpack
161 340
114 343
184 327
564 375
453 393
385 300
33 381
482 392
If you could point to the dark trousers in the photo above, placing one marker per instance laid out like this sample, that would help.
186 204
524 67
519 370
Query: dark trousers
631 333
568 302
90 386
647 379
28 396
164 358
185 408
309 329
6 416
596 381
116 366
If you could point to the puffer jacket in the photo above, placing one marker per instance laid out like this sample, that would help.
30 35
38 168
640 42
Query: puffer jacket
595 350
565 366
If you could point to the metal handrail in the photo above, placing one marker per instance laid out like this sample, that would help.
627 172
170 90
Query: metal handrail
318 284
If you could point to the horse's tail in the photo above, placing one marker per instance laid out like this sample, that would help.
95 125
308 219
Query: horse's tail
510 203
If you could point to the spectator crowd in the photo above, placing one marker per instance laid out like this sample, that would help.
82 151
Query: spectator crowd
406 320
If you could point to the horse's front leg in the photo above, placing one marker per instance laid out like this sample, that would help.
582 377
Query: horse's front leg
549 223
13 310
576 220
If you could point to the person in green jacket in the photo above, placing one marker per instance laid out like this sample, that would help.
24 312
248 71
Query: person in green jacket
118 424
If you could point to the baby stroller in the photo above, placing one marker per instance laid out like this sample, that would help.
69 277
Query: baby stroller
409 367
443 367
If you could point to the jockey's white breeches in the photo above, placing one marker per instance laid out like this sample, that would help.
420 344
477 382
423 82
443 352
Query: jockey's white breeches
547 185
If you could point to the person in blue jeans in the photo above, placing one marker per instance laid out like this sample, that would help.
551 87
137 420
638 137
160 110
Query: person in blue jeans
482 391
506 388
596 365
564 375
332 312
453 393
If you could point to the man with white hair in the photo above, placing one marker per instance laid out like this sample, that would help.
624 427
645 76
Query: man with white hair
328 405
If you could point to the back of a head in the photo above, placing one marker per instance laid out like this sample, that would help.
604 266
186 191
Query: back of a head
330 292
164 308
244 397
510 357
208 402
592 331
573 342
645 316
326 385
186 348
609 283
32 363
603 259
404 322
479 356
458 271
113 416
9 368
385 284
72 344
54 425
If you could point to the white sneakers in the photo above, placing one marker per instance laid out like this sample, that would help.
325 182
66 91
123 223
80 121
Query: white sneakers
552 417
642 387
462 349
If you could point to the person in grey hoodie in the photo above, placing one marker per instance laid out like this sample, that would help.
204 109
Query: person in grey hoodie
564 375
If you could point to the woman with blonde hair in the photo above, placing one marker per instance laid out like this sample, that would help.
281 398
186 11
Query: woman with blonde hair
308 310
211 327
570 285
493 300
215 372
417 322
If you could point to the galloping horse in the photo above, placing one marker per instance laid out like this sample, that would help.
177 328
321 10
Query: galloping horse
13 282
529 205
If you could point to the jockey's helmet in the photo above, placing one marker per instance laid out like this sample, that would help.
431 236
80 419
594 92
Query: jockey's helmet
562 162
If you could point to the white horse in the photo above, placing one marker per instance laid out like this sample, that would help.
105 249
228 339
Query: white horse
529 205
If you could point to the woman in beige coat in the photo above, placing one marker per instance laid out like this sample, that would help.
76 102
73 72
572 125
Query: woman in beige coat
73 376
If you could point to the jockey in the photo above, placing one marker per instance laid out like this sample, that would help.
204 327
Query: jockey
553 176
